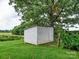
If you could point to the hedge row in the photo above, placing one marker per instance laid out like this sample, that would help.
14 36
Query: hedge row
10 37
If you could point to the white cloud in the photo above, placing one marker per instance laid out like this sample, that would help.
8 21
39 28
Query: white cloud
76 28
8 16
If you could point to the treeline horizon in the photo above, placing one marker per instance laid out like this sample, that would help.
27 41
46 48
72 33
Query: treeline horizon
5 30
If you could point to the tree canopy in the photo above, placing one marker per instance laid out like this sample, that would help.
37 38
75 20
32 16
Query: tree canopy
48 12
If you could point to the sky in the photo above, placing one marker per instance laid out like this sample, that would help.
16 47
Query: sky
8 16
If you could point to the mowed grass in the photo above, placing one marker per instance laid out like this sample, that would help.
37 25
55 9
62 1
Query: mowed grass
5 33
17 49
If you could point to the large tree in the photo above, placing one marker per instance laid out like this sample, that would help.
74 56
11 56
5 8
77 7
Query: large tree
53 13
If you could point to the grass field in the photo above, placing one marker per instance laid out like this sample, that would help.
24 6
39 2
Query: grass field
5 33
18 50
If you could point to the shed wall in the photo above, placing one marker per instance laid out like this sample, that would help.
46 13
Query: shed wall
30 35
44 34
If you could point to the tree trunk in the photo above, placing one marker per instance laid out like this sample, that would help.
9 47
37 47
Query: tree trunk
58 40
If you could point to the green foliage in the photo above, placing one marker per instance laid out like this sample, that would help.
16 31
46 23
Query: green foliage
10 37
19 30
70 40
47 12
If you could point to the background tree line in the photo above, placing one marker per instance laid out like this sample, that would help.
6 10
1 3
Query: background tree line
5 30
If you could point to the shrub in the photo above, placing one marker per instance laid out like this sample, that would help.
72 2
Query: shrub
70 40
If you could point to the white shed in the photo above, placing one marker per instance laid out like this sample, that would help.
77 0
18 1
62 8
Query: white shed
38 35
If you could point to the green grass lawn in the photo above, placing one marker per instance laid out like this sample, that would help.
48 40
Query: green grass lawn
18 50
